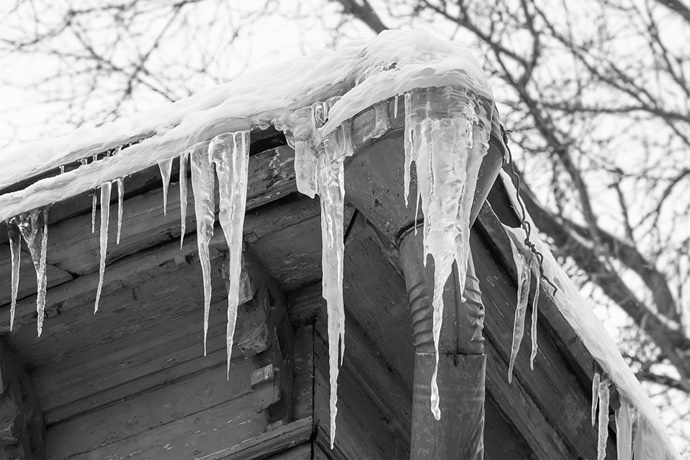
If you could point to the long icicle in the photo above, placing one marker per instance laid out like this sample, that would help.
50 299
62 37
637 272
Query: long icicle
204 206
595 396
442 146
230 154
520 313
331 189
33 226
165 167
624 426
603 418
120 206
534 268
15 251
184 159
524 279
94 205
106 189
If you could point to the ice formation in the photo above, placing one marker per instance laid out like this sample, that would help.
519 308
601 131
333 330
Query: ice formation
650 438
204 206
103 240
230 155
165 169
33 226
625 417
447 143
446 149
184 160
319 169
15 253
603 418
595 396
120 205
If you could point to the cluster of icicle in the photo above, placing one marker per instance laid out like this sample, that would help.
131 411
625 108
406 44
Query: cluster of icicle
447 149
447 143
528 267
319 170
634 433
226 156
634 436
33 227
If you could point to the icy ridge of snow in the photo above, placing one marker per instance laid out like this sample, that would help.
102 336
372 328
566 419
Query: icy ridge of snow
651 437
363 72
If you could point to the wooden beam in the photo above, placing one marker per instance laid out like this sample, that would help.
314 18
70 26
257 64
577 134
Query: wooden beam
22 429
266 336
267 444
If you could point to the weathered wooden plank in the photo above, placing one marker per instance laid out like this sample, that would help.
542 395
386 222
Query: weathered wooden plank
205 432
292 255
146 411
363 430
375 296
27 277
103 389
268 444
371 372
302 452
135 354
303 389
122 312
501 440
521 409
305 303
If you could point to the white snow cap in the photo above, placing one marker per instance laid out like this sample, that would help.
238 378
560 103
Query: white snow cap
363 71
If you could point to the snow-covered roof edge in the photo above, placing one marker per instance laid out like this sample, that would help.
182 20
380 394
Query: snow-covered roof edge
362 72
579 314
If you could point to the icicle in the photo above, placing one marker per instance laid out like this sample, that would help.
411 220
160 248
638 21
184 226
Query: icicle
120 205
534 268
524 278
165 167
33 226
230 154
624 425
527 266
603 418
331 191
62 169
299 131
595 396
447 166
184 159
382 122
94 204
105 220
409 152
204 206
395 106
15 251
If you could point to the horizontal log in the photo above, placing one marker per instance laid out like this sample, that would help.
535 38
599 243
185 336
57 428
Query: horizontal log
204 432
266 444
145 411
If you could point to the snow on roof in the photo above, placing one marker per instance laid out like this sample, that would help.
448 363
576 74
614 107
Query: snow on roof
579 314
363 72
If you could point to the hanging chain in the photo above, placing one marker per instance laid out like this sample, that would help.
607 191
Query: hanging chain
524 223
